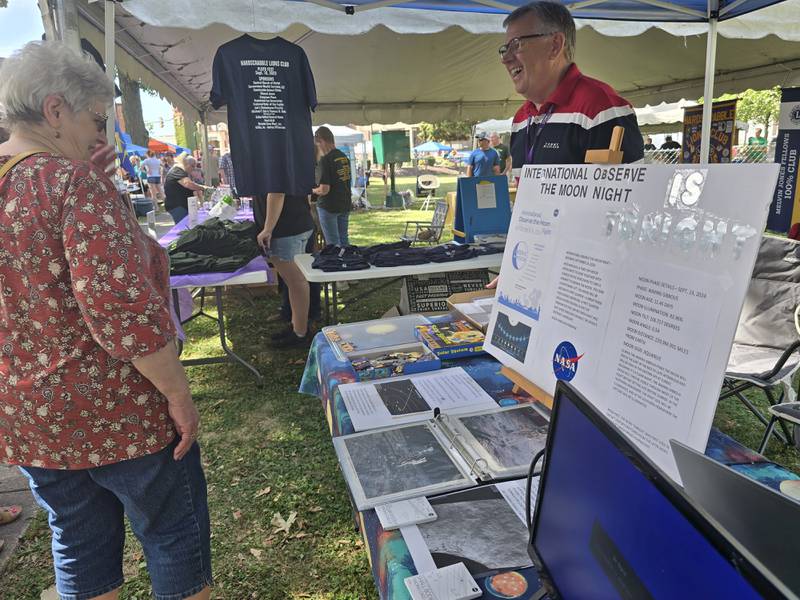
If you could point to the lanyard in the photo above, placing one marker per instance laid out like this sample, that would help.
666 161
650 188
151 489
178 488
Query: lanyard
531 145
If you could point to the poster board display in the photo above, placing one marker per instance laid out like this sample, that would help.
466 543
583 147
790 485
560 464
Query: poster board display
785 208
483 206
723 130
628 281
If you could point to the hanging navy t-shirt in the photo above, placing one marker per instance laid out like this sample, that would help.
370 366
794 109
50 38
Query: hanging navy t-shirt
269 89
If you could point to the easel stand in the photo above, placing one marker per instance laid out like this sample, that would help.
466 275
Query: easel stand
612 156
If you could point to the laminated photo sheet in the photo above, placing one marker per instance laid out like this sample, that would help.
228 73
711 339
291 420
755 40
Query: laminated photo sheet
368 336
387 465
627 281
499 443
483 527
412 398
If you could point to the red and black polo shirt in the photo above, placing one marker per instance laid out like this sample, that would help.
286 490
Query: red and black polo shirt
578 116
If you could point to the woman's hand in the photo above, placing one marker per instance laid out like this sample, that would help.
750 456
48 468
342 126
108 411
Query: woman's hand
492 285
264 238
187 423
104 156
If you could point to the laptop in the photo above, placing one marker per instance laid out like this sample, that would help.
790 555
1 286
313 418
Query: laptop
609 524
765 521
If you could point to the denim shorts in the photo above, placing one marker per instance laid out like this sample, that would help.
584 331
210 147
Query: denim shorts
156 180
286 248
165 502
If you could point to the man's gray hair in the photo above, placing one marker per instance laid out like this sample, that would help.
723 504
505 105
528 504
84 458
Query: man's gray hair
41 69
552 16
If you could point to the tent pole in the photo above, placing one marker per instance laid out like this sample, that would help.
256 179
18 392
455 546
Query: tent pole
47 21
66 14
110 60
708 90
207 174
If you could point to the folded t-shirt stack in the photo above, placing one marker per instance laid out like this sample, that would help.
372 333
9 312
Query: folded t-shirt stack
213 246
333 258
353 258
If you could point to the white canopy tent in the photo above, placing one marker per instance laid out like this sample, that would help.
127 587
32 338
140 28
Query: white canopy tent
391 64
666 117
345 135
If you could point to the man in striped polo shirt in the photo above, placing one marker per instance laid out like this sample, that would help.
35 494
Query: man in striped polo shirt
566 113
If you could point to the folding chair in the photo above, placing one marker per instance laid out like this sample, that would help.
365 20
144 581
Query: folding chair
427 184
429 232
765 349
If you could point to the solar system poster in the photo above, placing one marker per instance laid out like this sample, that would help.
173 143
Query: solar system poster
627 281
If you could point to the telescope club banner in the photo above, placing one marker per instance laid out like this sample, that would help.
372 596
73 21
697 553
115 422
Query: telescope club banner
723 127
785 207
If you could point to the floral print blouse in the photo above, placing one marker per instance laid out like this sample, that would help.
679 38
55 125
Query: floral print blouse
83 291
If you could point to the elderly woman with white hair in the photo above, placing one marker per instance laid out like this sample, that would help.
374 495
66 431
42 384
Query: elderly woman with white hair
95 407
179 187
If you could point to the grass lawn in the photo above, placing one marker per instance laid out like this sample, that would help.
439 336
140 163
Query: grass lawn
268 451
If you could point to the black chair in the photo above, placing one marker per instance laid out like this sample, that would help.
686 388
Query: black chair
765 353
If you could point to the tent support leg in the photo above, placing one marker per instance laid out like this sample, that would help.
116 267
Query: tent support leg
708 90
111 61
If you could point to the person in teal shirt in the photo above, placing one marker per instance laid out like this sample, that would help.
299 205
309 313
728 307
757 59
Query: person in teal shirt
484 160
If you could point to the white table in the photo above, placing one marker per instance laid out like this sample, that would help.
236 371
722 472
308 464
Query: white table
303 261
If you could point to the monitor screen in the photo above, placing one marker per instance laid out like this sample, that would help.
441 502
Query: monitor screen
609 525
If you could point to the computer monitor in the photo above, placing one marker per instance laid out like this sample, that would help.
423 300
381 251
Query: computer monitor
763 520
609 524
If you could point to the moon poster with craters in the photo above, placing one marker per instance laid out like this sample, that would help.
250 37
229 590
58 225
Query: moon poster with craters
627 282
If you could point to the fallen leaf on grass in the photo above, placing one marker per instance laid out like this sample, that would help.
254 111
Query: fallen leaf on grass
256 552
282 524
263 492
237 514
299 361
302 534
315 509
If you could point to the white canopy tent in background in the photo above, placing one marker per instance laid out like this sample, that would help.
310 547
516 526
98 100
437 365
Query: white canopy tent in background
389 64
344 135
666 117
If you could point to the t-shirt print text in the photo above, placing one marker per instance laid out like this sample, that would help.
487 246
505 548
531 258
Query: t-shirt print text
551 146
268 109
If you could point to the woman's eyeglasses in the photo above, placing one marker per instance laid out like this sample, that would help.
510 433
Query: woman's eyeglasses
512 46
100 120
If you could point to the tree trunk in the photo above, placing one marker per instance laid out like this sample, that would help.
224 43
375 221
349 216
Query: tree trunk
132 110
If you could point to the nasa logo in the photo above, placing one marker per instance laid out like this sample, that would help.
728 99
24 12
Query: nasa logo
794 114
565 361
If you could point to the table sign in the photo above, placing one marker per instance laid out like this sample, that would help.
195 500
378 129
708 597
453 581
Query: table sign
628 281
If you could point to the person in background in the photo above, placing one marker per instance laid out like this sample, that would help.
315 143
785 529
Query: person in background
758 139
333 192
286 226
226 174
502 152
670 144
179 187
649 146
95 404
213 163
152 166
484 161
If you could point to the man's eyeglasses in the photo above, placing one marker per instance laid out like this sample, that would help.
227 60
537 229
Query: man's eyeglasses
100 120
512 46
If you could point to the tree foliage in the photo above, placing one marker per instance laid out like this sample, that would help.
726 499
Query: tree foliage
445 131
761 107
